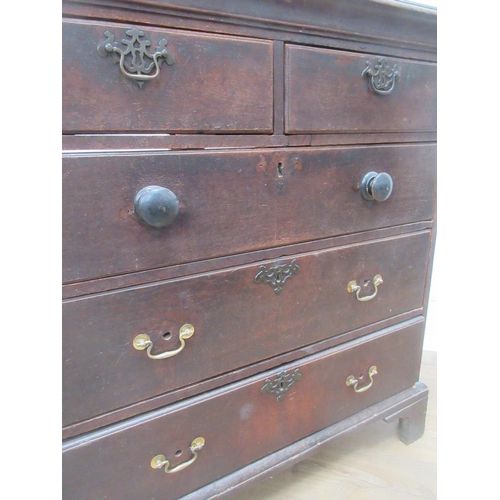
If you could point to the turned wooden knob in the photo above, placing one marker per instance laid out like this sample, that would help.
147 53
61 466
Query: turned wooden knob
156 206
376 186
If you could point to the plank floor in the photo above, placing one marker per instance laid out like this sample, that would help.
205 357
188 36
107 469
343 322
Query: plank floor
371 464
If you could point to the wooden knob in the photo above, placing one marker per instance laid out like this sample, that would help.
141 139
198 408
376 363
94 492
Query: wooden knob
156 206
376 186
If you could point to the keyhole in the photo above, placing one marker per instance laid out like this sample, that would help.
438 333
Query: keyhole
167 335
178 453
280 169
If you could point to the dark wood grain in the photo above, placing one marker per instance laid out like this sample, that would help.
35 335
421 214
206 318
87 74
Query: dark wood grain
107 284
366 25
231 202
363 434
217 84
118 459
279 88
330 438
263 128
325 92
124 142
164 399
116 142
360 138
237 321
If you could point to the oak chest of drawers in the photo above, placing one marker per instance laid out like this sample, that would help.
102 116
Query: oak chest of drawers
248 232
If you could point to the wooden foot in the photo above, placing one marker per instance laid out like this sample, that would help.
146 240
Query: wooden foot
411 420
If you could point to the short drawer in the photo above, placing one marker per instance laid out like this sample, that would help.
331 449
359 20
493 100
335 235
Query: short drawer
240 316
242 422
203 83
231 202
329 91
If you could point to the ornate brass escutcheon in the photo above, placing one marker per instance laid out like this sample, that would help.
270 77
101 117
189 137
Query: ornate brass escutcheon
160 461
133 59
353 287
281 383
353 381
277 275
143 341
381 78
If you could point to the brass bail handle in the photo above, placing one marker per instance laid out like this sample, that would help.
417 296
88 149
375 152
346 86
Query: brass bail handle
353 287
141 62
381 76
141 77
353 381
143 341
160 461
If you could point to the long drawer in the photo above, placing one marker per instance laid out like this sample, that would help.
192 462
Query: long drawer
240 316
330 91
202 82
242 422
231 202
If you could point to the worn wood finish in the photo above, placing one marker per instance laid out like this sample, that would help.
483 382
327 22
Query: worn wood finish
118 459
164 399
103 372
119 142
231 202
326 92
217 84
352 24
355 458
263 128
99 285
364 462
360 138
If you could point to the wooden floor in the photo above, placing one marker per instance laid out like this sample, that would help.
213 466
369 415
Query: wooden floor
369 465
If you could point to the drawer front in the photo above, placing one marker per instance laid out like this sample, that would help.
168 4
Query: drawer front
237 321
242 422
326 91
205 83
232 202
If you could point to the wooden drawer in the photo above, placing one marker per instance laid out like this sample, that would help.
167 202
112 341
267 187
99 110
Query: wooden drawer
232 202
326 92
215 84
241 422
237 321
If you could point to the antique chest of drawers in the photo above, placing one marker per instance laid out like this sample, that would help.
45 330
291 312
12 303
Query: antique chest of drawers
249 193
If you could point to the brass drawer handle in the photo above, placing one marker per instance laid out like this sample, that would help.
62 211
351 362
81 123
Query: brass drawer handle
352 381
353 287
382 79
135 66
143 341
160 460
